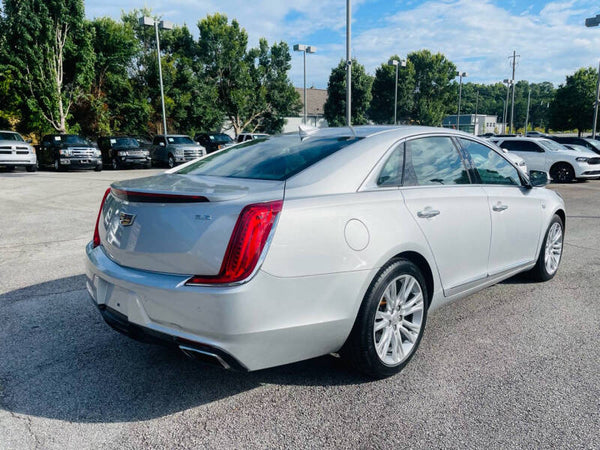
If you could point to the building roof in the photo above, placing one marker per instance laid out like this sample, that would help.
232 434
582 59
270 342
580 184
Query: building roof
315 98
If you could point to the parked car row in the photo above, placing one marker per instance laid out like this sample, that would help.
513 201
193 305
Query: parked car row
70 151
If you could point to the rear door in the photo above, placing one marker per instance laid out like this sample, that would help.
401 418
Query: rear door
515 210
452 213
533 154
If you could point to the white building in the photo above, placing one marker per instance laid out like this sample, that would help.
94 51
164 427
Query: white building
482 123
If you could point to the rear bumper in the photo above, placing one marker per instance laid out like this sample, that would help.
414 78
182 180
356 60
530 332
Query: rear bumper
265 322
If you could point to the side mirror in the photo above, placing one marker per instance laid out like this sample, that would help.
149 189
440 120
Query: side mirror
29 141
538 178
162 144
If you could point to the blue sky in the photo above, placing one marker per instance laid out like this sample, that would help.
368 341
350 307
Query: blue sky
477 35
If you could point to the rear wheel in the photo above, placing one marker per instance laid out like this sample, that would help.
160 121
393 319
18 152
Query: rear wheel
550 253
115 164
57 165
562 173
390 321
171 161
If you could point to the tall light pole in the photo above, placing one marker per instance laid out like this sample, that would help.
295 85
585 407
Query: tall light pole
348 63
476 107
460 76
304 49
527 115
512 105
163 25
594 22
396 63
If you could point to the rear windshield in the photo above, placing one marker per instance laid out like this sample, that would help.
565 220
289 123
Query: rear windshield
268 159
10 137
551 145
179 140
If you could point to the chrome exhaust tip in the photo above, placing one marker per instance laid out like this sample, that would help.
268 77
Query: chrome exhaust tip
204 356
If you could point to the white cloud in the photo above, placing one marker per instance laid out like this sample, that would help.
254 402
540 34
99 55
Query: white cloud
477 35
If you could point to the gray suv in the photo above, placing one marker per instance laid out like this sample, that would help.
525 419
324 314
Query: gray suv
174 149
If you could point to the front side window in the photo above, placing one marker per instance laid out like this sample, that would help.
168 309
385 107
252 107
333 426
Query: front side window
391 173
268 159
433 161
491 167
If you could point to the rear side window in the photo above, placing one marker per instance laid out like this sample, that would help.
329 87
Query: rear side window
268 159
433 161
521 146
491 167
391 173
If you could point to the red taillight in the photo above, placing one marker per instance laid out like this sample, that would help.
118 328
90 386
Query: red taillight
96 234
246 244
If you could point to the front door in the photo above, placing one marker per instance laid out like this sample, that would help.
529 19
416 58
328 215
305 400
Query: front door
453 214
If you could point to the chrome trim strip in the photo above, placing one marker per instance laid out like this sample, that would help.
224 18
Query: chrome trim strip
488 280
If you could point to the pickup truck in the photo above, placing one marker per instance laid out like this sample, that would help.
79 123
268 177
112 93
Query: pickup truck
69 151
174 149
15 151
123 151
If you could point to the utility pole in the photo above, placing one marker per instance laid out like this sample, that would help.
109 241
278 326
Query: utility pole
348 64
512 105
507 81
527 116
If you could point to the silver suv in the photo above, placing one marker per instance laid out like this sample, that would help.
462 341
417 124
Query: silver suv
15 151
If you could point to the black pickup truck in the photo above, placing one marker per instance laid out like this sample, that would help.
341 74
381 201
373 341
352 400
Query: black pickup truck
69 151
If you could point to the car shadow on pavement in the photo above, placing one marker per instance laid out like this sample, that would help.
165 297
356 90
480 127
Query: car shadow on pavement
61 361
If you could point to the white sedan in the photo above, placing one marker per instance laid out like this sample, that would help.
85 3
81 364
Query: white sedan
342 241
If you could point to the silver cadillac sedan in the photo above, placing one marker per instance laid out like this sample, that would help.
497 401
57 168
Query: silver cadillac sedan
335 241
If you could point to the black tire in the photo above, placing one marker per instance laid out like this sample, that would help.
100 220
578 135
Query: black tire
171 161
562 173
57 166
359 349
148 165
31 168
115 164
98 168
540 272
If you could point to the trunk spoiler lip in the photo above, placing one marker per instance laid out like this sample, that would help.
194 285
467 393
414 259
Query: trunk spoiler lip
156 197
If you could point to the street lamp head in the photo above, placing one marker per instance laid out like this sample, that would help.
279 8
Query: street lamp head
146 21
461 74
402 63
311 49
393 62
592 21
299 48
165 25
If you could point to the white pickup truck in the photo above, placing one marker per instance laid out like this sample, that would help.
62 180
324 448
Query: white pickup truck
15 151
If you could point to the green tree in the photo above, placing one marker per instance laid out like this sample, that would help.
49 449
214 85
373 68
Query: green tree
335 106
573 103
381 109
433 88
252 86
49 44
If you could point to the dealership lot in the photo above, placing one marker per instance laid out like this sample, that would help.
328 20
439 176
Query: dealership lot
513 366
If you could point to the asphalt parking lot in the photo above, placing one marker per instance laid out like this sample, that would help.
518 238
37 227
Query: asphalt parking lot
514 366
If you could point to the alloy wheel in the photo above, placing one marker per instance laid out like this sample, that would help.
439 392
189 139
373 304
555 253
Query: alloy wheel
398 320
553 250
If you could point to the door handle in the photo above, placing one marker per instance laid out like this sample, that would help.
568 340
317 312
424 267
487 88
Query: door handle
499 207
427 213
